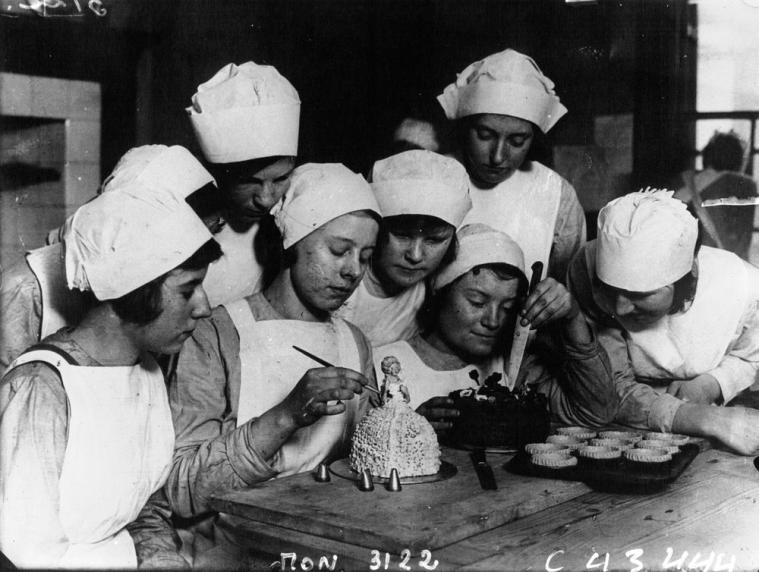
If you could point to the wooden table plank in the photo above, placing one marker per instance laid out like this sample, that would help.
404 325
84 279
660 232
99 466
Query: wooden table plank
712 508
424 516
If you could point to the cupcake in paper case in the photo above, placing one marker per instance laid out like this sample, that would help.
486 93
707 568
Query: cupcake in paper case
620 444
553 460
668 446
670 437
571 442
542 448
599 452
581 433
644 455
631 436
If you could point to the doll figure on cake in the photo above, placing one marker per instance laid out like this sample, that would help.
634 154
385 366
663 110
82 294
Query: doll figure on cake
392 385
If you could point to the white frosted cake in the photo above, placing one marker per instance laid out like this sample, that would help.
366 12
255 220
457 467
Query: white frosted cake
394 436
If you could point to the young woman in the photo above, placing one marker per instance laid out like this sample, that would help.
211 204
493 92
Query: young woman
471 316
679 322
246 119
423 198
501 105
85 425
247 406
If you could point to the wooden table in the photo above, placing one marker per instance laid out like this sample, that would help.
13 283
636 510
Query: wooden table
528 523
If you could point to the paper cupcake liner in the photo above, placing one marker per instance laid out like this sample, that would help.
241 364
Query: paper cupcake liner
624 435
668 446
670 437
643 455
570 442
582 433
599 452
620 444
554 460
543 448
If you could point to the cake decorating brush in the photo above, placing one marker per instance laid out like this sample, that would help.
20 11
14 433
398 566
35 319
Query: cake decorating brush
325 363
394 484
366 484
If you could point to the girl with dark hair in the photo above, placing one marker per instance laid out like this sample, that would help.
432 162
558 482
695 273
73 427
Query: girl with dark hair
423 197
469 321
86 437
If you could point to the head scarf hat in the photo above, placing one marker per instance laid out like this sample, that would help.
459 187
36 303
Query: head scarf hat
646 241
319 193
246 112
422 183
480 244
506 83
140 227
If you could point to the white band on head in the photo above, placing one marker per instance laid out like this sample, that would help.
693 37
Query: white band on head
246 112
506 83
422 183
319 193
480 244
120 241
646 241
173 170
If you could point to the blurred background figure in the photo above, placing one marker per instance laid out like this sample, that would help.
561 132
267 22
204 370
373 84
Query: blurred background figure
722 176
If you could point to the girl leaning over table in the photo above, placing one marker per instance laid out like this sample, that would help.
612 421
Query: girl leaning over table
469 321
678 321
85 425
247 406
423 197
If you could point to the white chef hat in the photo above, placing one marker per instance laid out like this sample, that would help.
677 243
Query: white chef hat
422 183
506 83
319 193
646 240
158 168
480 244
138 229
246 112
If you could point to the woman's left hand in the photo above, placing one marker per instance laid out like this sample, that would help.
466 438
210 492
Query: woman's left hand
549 302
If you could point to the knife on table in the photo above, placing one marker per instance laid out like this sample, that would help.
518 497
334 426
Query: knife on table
730 202
521 333
483 470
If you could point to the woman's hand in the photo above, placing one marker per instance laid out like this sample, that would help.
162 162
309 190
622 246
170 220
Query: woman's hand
549 302
701 389
440 412
308 401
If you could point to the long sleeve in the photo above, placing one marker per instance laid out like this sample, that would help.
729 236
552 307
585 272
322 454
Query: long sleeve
33 436
211 452
739 367
569 232
155 541
580 389
20 312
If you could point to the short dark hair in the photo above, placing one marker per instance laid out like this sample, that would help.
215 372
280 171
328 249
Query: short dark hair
206 201
724 152
433 303
412 222
144 304
228 174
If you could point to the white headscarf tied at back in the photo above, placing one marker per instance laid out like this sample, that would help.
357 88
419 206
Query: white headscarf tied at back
645 241
139 229
480 244
422 183
319 193
246 112
506 83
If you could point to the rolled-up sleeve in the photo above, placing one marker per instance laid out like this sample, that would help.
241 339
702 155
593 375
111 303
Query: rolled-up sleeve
21 312
211 452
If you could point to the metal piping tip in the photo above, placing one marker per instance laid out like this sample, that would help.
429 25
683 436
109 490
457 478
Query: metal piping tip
366 484
394 484
321 475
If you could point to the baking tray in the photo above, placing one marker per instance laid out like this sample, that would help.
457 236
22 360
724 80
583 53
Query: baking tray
618 475
342 468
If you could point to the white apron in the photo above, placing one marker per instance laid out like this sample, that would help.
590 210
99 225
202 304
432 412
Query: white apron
424 383
60 306
525 206
270 368
118 452
684 345
384 320
237 273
